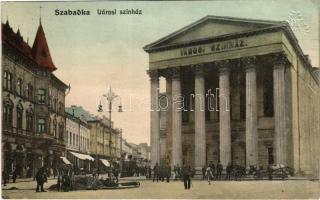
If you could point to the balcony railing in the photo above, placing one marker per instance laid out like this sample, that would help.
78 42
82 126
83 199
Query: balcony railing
17 131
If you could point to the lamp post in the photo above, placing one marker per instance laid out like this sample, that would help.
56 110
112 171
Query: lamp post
110 96
120 151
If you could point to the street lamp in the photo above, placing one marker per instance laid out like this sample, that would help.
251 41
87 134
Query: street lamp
110 96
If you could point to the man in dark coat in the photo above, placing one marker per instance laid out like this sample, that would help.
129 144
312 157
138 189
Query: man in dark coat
162 173
156 172
228 170
168 173
186 173
213 170
41 178
116 174
4 177
14 175
149 172
204 172
219 170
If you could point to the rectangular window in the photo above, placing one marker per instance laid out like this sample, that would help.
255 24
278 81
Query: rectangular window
70 138
41 125
41 96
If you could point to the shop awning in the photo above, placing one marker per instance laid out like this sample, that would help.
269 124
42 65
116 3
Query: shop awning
82 156
105 162
65 160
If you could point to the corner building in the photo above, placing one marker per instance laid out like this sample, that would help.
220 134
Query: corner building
265 106
33 101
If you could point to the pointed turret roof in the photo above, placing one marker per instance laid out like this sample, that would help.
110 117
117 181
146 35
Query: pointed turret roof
40 50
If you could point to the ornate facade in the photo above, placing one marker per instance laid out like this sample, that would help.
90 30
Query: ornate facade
238 91
33 105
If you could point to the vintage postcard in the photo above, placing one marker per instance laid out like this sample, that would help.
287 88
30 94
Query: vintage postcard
160 99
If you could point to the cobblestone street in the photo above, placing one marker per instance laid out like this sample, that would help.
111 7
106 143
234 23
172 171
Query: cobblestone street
200 189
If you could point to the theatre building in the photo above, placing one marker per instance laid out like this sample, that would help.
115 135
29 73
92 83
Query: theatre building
238 91
33 100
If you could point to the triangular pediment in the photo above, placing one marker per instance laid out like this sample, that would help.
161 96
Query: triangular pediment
210 27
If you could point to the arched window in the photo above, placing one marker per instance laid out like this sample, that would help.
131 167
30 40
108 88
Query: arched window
19 87
7 80
54 125
41 125
19 115
29 119
61 130
29 91
55 104
7 113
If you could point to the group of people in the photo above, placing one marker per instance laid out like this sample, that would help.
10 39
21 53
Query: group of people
162 173
6 176
212 172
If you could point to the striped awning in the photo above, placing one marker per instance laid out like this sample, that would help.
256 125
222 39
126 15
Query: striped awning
82 156
65 160
105 162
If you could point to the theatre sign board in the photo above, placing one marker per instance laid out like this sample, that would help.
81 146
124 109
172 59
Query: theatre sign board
230 43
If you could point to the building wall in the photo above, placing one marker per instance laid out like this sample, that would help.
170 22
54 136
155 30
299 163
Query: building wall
37 148
305 106
11 135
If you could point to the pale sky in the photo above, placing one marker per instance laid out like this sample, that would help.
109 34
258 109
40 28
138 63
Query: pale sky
93 52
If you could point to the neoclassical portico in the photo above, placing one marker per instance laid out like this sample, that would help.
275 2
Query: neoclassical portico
174 85
249 120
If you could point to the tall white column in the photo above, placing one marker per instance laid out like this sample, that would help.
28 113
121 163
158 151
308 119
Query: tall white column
200 126
169 120
177 103
280 136
224 110
251 112
154 117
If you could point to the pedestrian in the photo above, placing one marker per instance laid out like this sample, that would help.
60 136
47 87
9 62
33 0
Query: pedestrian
209 174
219 170
168 172
14 176
186 172
270 172
229 170
162 173
116 174
156 172
41 178
59 182
213 170
203 172
179 171
150 172
4 177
